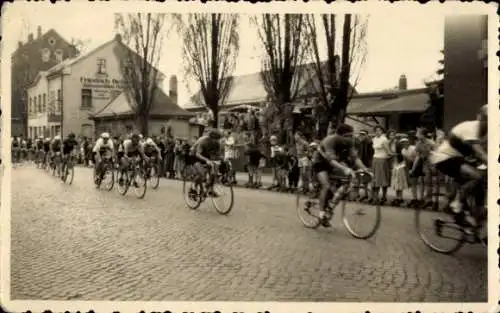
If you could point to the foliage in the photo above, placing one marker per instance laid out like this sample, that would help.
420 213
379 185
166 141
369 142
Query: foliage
139 54
210 47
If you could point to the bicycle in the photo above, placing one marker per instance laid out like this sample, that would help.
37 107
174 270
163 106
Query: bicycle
55 165
152 172
349 186
107 171
130 176
68 169
452 221
195 189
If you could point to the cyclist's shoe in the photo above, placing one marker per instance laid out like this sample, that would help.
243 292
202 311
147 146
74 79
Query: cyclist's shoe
325 219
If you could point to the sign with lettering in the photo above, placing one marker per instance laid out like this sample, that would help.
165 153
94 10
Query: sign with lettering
103 88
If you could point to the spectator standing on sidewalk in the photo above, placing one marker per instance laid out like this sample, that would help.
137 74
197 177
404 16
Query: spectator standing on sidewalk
420 168
301 147
365 153
254 155
381 166
399 181
408 151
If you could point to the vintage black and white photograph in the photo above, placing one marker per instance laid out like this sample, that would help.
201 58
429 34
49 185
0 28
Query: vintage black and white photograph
303 156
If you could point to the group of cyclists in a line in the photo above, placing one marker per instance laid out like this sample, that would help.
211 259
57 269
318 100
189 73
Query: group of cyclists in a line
334 154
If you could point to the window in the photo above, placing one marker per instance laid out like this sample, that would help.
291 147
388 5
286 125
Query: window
59 55
40 108
45 55
52 41
35 107
101 66
30 105
58 102
86 99
44 102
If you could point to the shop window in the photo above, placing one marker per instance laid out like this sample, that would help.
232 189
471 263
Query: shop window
86 99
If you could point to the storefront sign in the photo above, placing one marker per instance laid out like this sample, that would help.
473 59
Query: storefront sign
103 88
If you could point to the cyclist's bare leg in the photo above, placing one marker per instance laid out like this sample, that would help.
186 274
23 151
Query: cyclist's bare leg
324 181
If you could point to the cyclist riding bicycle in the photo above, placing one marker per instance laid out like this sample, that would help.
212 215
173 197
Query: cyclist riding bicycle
467 141
103 148
38 147
131 148
55 147
336 156
68 146
150 148
46 149
207 151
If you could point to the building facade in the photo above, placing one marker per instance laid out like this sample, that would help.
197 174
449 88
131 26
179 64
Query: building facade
35 55
77 94
466 67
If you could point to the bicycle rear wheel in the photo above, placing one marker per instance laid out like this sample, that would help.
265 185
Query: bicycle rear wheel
308 211
438 231
352 213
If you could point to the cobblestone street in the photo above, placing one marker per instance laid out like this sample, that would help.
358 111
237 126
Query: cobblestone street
74 242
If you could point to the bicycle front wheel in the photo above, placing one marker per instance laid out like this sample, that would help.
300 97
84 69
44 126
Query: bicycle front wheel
109 178
361 221
154 177
123 182
140 183
221 192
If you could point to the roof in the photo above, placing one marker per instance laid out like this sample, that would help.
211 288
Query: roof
162 106
409 101
35 43
249 88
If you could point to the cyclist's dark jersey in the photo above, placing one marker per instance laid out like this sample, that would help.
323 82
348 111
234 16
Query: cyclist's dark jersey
69 145
56 145
29 144
208 147
46 146
39 144
342 148
15 143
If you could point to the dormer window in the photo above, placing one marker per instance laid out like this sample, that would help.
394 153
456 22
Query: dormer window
45 55
59 55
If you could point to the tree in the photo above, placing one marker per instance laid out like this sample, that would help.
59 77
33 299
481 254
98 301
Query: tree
433 117
210 46
139 53
79 45
332 79
285 42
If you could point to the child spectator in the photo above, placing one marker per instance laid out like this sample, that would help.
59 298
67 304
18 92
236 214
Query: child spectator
254 156
399 180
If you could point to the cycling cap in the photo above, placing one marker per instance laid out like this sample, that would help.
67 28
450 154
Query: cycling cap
57 137
344 129
273 138
105 135
71 135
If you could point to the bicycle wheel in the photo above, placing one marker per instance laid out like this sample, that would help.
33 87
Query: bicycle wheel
154 177
139 182
351 214
219 193
123 182
191 192
308 211
439 231
109 178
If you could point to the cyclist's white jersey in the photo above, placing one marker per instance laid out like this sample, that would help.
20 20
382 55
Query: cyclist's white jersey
466 132
100 145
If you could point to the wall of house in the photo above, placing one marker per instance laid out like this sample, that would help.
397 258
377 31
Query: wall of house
465 77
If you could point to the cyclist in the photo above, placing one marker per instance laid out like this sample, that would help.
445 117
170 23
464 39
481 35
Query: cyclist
46 149
55 149
131 148
467 141
38 149
68 147
336 155
103 148
207 151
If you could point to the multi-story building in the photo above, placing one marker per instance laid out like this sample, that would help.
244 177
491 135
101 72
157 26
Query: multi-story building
81 93
466 67
35 55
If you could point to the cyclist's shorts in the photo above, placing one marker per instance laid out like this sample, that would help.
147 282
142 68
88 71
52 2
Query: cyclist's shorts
451 167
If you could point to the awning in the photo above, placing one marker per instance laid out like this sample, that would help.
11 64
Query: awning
377 106
242 108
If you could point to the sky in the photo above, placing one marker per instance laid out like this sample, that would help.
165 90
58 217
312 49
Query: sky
408 42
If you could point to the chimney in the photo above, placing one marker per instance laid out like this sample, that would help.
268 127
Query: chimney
173 88
19 44
30 37
39 32
118 37
403 84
